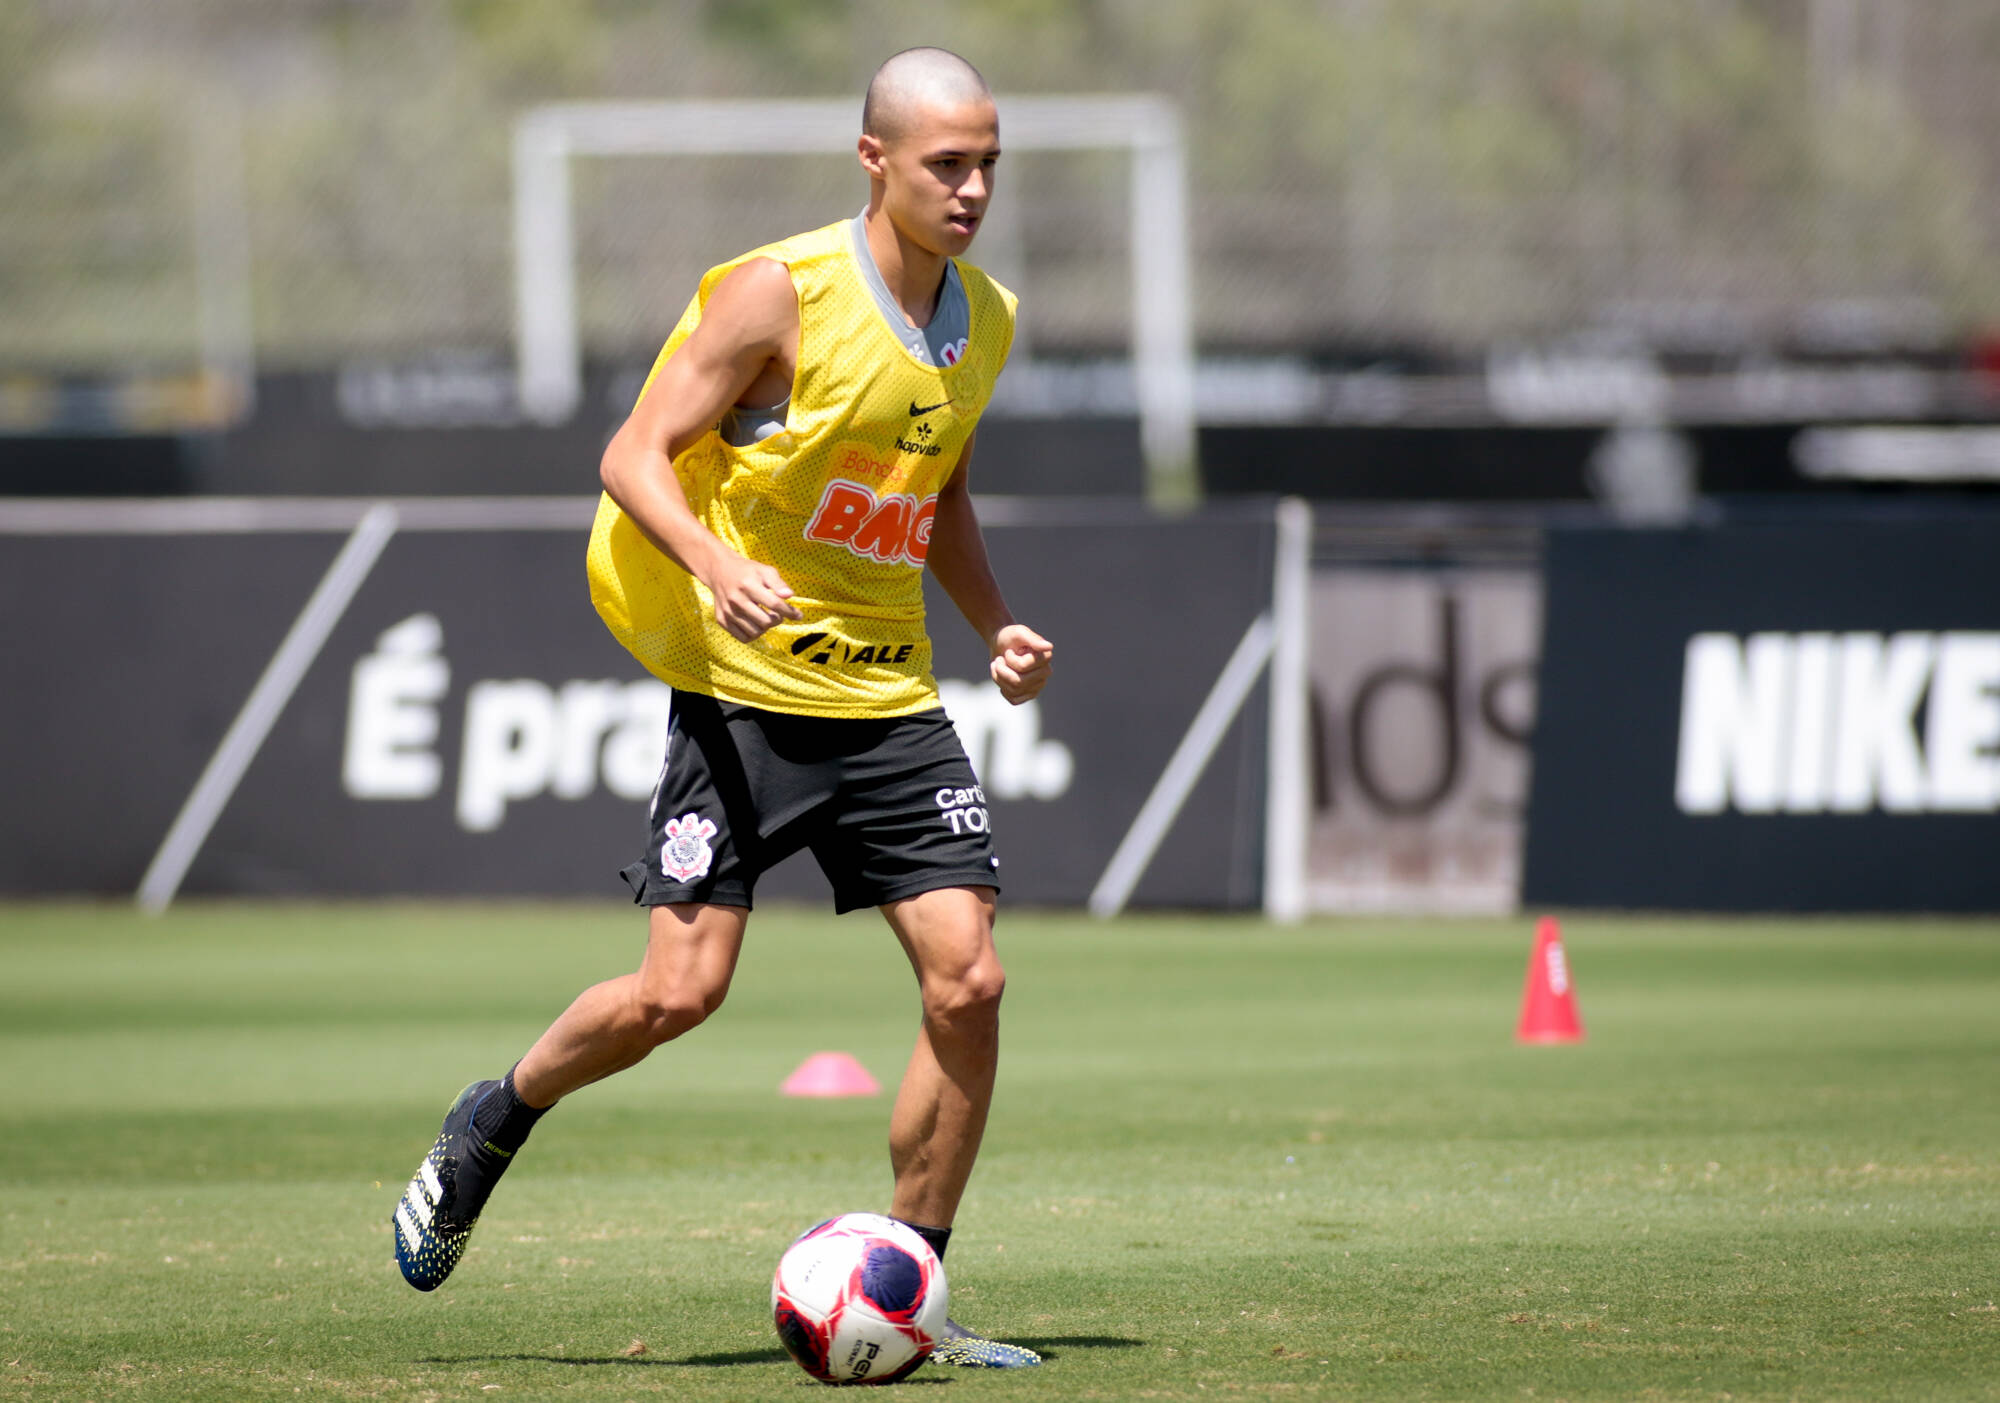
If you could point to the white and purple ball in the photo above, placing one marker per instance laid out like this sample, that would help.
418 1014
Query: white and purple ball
860 1299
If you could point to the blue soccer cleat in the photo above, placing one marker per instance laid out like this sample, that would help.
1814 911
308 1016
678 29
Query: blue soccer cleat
965 1350
431 1222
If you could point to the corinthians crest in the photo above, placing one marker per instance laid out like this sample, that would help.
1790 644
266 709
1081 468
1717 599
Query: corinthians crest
685 855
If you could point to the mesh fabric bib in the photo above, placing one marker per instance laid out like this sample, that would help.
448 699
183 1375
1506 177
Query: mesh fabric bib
840 503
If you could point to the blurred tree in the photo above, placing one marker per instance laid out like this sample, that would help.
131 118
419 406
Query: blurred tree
523 50
801 43
1436 171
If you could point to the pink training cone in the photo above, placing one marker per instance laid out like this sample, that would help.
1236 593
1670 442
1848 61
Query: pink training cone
1548 1003
831 1074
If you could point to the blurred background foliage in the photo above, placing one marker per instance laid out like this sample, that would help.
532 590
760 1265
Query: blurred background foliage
1431 174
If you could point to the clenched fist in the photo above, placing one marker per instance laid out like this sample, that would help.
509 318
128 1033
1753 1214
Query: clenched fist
1021 662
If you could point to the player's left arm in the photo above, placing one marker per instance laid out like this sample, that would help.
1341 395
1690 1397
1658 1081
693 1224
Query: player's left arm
1021 658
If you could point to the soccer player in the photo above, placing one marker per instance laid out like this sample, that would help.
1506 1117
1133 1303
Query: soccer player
798 457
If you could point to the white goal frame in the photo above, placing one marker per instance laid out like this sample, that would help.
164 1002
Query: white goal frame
547 342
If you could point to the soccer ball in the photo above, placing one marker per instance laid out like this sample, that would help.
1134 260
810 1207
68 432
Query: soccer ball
860 1299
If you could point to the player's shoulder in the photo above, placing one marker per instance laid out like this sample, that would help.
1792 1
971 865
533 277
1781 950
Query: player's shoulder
754 277
800 250
772 277
754 297
772 265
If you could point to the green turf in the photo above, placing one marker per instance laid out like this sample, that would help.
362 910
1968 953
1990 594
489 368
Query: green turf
1225 1159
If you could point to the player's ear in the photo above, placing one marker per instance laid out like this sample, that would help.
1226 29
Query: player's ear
869 149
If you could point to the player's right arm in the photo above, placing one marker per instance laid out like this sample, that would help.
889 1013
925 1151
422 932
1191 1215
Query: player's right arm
747 337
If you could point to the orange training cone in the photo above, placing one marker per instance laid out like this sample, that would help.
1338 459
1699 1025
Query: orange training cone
1548 1003
830 1074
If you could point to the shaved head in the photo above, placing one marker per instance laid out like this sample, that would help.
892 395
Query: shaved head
930 140
913 80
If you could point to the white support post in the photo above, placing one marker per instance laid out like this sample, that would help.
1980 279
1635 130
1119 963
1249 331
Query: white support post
549 358
225 324
1162 316
1288 747
548 346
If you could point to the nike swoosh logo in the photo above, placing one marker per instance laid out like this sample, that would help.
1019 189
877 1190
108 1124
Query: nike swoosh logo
915 409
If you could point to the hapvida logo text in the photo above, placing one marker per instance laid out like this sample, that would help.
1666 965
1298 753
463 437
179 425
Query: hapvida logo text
919 442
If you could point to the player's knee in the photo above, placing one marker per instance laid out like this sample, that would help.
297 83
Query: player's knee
664 1019
665 1014
968 999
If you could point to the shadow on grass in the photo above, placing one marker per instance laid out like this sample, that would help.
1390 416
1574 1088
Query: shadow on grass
1048 1346
693 1361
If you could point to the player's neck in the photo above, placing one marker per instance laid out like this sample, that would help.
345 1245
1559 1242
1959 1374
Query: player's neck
913 275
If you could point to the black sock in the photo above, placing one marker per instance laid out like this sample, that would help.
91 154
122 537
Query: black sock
938 1238
500 1124
502 1119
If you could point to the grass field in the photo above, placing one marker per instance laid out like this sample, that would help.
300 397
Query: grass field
1225 1160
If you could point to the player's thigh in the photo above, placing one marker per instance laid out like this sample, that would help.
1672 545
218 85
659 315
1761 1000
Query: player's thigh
702 845
947 933
908 818
691 951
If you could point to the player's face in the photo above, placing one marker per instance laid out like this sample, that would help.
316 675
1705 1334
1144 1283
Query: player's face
938 176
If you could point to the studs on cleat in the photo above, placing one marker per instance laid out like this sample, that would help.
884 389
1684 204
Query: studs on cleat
965 1350
428 1241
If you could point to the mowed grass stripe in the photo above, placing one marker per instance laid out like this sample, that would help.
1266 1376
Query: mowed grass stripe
1303 1163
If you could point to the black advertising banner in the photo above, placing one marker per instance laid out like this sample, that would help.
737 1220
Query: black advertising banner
470 728
1772 717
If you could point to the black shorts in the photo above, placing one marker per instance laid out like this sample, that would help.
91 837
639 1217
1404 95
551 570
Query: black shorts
889 807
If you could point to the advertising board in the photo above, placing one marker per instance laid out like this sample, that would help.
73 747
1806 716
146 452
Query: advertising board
1423 698
1798 716
466 726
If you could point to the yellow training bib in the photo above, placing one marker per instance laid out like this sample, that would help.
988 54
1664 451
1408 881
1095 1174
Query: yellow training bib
840 503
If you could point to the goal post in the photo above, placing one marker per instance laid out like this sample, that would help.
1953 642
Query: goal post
547 336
